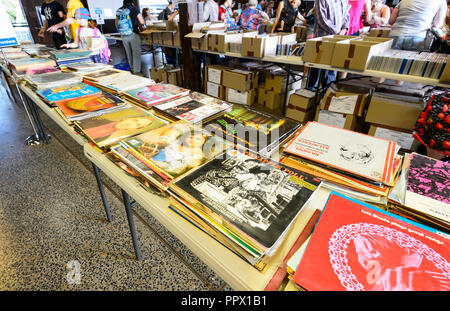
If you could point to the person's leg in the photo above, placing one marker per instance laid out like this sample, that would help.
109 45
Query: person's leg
127 46
313 79
136 50
329 77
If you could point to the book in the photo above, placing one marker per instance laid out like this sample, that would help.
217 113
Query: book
428 187
175 148
253 199
89 106
192 108
122 83
52 79
69 53
23 64
356 247
108 129
88 67
68 91
106 73
351 152
252 129
154 94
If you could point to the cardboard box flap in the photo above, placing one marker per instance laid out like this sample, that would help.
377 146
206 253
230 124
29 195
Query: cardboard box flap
196 35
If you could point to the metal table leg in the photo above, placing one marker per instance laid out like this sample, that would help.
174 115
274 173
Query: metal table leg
37 118
102 192
126 200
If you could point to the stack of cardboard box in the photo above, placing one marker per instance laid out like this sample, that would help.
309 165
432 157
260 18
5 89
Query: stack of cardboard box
393 116
169 74
213 81
343 106
240 86
301 106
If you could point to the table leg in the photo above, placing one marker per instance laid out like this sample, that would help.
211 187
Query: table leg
102 192
126 200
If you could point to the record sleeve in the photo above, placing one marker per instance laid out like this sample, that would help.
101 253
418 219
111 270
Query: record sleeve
157 93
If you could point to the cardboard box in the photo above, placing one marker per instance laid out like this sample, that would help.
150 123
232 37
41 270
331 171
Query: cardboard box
345 121
276 81
320 50
445 76
273 101
238 97
301 32
303 99
172 76
157 37
259 46
345 99
238 79
379 32
356 53
199 37
146 37
286 38
219 42
404 138
394 111
156 74
215 90
170 38
214 73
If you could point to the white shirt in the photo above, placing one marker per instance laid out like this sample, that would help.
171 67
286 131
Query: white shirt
210 12
416 16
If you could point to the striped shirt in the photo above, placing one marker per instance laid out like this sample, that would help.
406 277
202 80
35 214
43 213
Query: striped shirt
331 17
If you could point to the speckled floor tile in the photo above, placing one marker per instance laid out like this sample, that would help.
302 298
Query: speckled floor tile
51 214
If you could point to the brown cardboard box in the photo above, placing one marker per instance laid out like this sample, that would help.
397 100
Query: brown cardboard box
238 79
273 101
320 50
394 111
404 138
156 74
345 99
259 46
214 73
301 32
157 37
356 53
172 76
304 99
219 42
345 121
301 116
146 37
215 90
169 38
199 38
445 76
238 97
379 32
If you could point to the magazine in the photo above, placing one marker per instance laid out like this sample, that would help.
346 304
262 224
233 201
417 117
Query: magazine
252 196
355 153
154 94
358 247
176 148
66 92
110 128
255 130
193 108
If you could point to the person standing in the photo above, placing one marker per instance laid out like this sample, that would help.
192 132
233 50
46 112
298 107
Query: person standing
54 13
250 18
411 19
287 14
330 18
226 14
129 22
168 13
210 11
355 15
72 6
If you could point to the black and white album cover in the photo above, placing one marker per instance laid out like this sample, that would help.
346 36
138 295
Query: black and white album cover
257 196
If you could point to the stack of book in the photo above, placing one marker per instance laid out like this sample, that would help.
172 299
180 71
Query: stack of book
422 64
422 192
108 129
245 202
15 53
193 108
21 65
75 109
151 95
37 50
359 165
71 91
68 57
358 247
84 68
117 81
252 129
49 79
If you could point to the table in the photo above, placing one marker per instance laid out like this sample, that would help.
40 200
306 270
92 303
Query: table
233 270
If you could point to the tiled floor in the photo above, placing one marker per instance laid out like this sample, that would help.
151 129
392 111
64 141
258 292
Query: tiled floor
51 216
